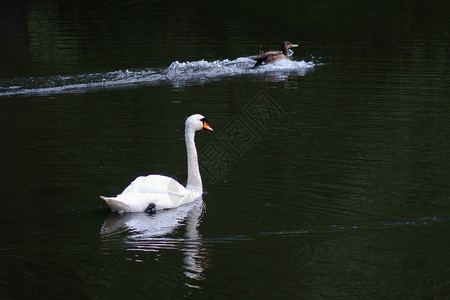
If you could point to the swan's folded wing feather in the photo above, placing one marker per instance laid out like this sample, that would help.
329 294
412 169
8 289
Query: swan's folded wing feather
155 184
163 191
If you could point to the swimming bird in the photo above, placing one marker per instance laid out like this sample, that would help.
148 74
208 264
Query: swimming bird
156 192
267 57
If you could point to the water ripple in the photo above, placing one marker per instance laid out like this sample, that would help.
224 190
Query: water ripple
177 74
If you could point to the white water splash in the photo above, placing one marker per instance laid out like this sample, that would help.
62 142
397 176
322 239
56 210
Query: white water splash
177 74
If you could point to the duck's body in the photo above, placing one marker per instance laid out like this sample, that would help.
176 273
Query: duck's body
267 57
156 192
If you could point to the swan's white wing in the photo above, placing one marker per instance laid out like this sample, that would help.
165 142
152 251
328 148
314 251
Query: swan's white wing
155 184
162 191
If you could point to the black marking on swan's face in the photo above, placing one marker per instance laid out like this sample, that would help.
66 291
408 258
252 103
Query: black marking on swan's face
205 124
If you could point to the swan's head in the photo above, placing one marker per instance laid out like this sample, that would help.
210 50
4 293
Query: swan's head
197 122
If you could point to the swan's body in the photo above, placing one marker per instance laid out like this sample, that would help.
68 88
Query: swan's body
266 57
156 192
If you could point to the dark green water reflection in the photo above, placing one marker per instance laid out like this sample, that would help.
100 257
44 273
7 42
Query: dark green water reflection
340 192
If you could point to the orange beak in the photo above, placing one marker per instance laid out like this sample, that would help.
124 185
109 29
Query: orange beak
207 127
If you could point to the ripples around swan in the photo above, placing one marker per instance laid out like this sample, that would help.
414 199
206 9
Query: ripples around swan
142 232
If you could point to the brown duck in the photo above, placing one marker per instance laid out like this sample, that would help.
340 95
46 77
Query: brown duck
267 57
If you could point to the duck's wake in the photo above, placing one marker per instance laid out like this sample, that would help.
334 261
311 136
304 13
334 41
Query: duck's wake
177 74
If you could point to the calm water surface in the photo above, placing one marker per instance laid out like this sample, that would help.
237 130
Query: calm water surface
325 177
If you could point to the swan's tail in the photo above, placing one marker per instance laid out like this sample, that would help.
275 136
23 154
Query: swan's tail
113 203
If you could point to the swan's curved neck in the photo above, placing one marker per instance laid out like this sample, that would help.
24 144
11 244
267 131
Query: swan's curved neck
194 182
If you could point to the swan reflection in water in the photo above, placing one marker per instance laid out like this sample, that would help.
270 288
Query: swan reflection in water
147 232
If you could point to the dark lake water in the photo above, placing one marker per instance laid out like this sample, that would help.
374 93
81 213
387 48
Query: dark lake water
326 177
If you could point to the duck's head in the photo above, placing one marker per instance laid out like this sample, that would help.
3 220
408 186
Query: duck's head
285 46
197 122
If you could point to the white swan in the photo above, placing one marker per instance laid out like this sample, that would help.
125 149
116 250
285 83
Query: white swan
155 192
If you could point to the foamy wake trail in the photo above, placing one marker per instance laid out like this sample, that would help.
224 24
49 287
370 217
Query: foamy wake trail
177 74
